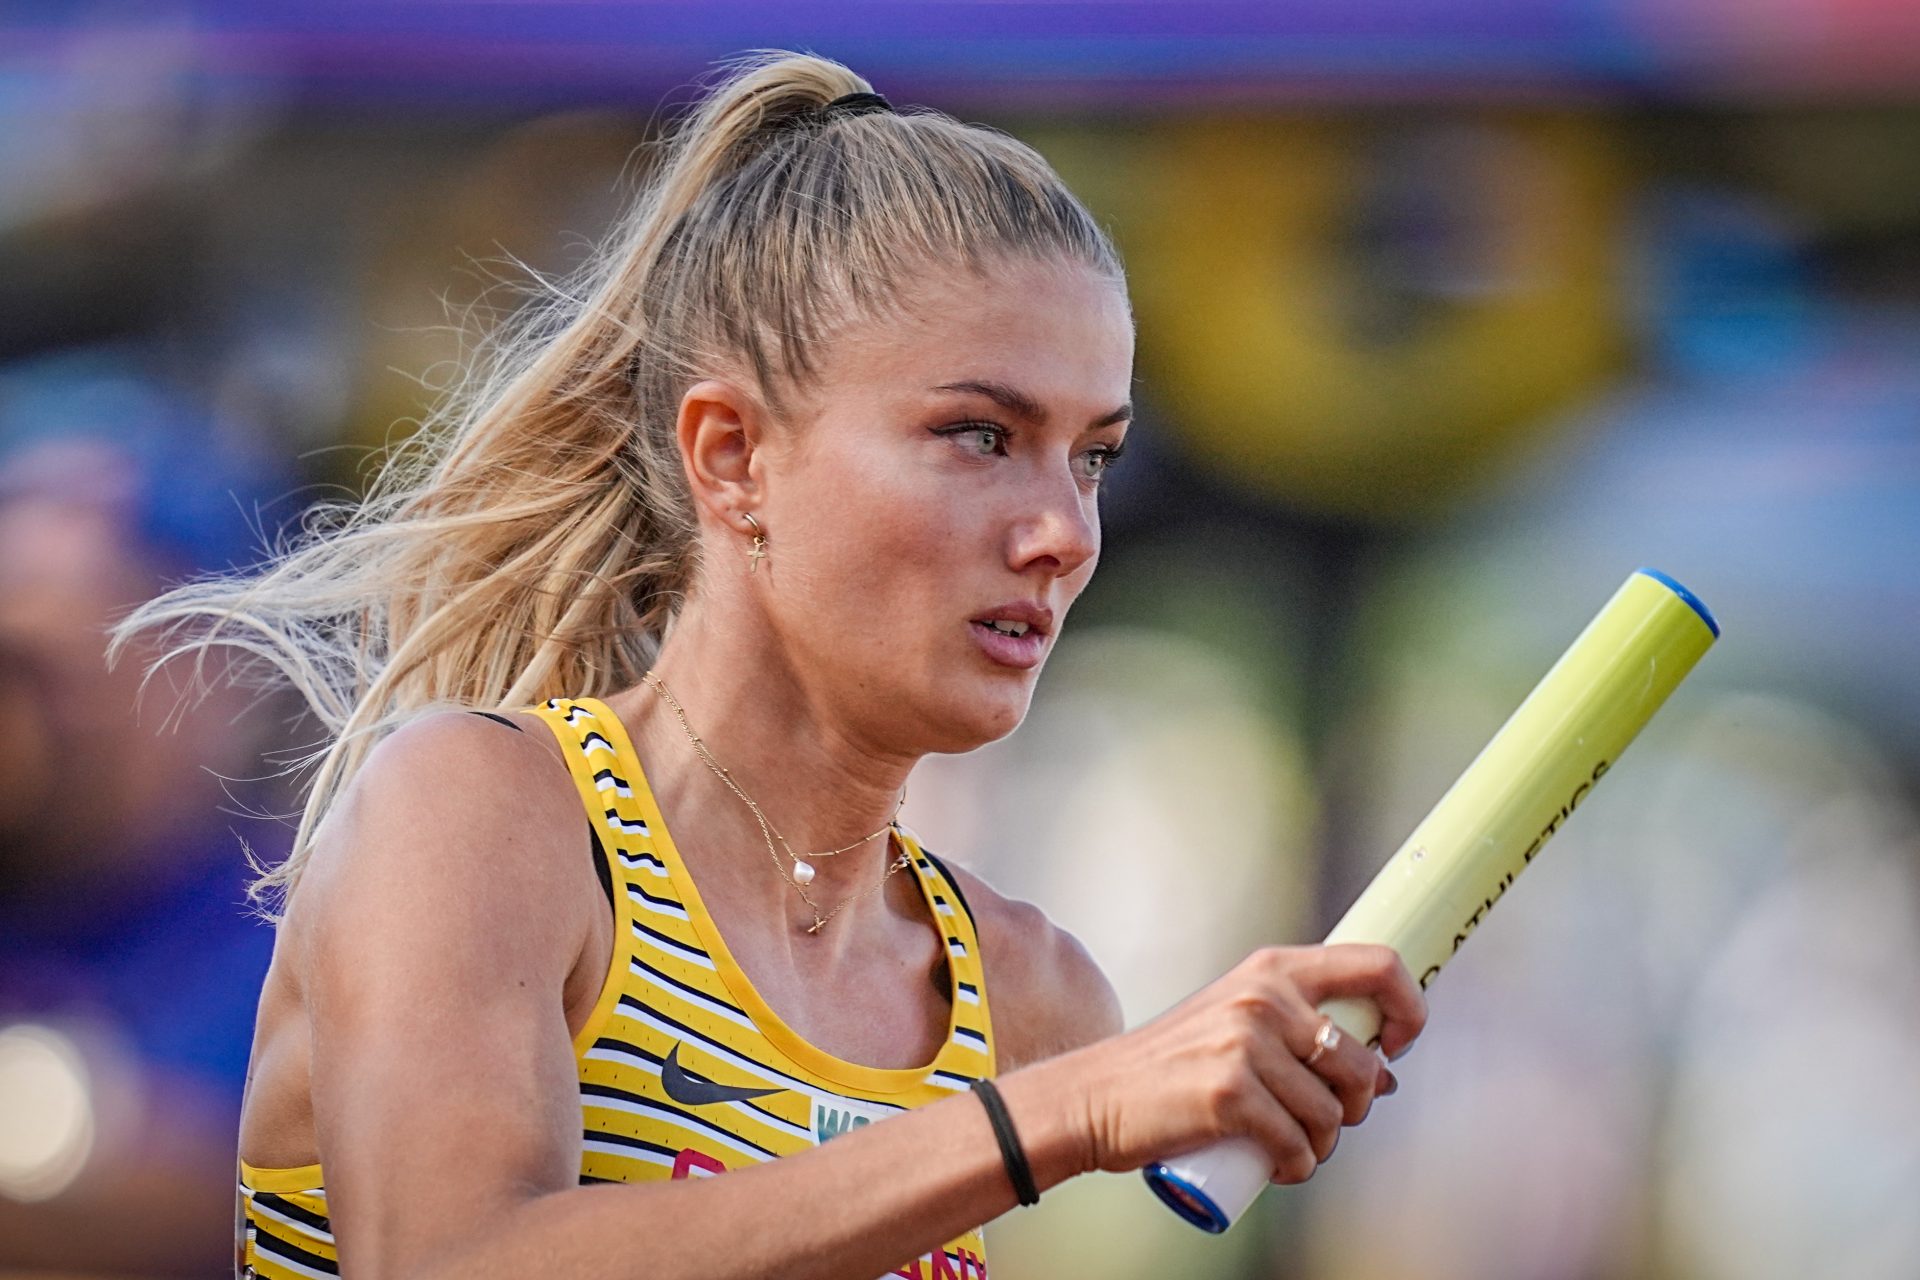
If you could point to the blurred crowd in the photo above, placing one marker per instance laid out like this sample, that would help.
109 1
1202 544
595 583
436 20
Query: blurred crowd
1422 380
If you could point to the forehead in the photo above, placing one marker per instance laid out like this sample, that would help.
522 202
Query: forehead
1059 332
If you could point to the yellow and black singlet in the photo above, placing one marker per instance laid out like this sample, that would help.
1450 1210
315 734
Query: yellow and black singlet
684 1070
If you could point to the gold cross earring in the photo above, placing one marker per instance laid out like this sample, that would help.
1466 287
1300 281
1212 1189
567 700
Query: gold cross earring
759 552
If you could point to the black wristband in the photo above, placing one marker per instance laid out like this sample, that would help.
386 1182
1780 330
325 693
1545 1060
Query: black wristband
1019 1172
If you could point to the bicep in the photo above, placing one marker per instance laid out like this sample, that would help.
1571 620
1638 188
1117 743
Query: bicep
436 1107
441 933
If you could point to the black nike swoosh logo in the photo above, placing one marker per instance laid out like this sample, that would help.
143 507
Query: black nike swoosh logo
685 1087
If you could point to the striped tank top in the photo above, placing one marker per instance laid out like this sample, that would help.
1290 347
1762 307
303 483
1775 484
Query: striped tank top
685 1072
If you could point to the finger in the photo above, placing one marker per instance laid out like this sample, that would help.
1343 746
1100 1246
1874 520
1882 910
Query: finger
1304 1096
1350 1069
1280 1134
1369 971
1403 1016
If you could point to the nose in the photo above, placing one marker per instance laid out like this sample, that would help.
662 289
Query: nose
1058 529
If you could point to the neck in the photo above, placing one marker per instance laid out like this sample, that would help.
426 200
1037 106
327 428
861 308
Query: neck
817 778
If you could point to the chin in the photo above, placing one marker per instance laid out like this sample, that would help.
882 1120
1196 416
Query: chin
965 719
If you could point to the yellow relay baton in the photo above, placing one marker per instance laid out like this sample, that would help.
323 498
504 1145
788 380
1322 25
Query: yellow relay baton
1432 894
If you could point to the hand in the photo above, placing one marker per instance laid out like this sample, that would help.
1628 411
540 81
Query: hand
1229 1061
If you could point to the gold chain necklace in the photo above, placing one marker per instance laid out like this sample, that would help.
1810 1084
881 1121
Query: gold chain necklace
803 873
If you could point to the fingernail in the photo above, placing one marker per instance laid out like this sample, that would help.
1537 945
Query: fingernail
1399 1053
1393 1085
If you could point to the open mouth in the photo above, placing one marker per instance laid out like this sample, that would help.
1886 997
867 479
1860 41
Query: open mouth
1014 635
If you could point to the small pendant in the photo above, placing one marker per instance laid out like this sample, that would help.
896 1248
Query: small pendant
815 926
803 871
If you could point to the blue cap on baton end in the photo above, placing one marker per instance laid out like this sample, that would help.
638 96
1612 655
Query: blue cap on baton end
1692 600
1186 1199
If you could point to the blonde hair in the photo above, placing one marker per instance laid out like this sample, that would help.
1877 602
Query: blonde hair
534 538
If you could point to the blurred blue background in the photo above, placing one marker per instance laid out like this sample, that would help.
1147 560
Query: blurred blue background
1451 315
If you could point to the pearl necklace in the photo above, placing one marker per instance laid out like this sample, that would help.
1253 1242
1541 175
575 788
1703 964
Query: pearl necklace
803 871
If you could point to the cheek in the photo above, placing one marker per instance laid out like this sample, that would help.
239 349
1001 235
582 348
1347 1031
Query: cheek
869 528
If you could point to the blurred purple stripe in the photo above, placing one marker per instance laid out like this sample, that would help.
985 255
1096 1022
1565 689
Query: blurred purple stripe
919 52
970 51
868 20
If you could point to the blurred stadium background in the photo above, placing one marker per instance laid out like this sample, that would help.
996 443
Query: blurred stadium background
1452 313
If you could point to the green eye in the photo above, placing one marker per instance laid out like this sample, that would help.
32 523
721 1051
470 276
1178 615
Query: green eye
982 439
1099 461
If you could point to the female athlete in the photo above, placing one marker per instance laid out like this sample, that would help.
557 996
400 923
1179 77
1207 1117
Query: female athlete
797 488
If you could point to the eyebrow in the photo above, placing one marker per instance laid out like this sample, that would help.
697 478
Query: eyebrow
1018 402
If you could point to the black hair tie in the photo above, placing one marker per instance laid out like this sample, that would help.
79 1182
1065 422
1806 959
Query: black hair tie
1019 1172
855 104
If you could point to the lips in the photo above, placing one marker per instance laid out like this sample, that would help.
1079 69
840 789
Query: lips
1014 634
1018 617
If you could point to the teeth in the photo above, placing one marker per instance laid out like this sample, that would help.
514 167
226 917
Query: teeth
1008 628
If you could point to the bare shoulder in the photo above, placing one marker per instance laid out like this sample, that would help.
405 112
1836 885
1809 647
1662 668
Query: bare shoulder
450 874
1047 992
450 819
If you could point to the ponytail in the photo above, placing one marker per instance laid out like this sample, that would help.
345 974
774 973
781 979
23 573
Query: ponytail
536 536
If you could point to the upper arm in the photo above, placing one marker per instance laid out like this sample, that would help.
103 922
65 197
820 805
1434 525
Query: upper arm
441 916
1047 993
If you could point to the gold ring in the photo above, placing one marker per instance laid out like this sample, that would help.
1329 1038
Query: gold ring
1325 1040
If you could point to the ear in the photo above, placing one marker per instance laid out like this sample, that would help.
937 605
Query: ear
720 430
